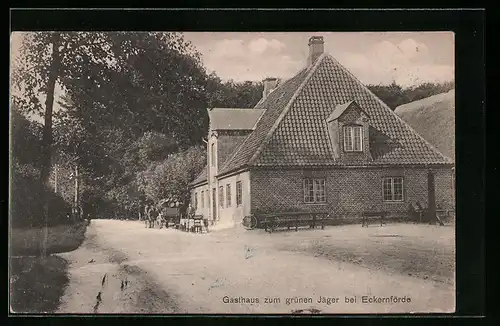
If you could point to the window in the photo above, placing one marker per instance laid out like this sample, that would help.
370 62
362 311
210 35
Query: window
202 199
195 205
239 193
228 195
314 190
221 196
393 189
353 138
212 154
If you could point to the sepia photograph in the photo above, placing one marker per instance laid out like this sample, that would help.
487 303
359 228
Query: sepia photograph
232 172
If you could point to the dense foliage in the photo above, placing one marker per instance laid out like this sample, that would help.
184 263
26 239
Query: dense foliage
394 95
27 192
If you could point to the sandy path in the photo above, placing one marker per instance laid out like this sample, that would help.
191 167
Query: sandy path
177 272
97 271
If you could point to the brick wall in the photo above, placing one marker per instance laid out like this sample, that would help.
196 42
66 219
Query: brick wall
348 191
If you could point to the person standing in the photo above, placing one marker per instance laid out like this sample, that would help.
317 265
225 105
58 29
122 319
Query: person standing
189 215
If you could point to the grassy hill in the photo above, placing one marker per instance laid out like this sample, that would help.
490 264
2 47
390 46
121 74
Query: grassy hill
434 119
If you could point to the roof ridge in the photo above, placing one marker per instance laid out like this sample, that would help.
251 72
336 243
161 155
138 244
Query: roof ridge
266 140
391 111
237 149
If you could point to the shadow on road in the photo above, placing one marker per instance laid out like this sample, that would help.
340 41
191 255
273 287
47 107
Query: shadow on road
61 238
37 284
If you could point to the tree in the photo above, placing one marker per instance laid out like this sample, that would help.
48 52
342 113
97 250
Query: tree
394 95
129 100
151 147
170 178
27 192
230 94
158 84
49 59
118 129
26 138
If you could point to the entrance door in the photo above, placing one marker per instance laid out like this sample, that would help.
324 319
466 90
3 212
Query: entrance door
214 204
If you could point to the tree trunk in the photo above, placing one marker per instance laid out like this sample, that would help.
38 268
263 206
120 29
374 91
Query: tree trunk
47 134
49 105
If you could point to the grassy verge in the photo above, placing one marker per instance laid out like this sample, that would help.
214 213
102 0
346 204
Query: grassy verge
61 238
422 251
37 284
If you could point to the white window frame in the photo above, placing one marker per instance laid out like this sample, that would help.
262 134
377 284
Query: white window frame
239 193
393 194
221 196
228 195
349 138
316 191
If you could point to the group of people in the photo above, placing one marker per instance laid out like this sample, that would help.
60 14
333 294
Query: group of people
155 216
152 216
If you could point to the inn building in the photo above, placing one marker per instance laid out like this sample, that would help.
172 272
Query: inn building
319 141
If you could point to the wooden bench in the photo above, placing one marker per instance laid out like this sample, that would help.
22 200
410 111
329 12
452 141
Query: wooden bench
440 214
270 222
445 212
367 215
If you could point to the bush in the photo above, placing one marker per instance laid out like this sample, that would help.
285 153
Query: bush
26 200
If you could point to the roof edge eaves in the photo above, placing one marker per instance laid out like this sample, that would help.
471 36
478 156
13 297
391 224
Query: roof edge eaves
287 108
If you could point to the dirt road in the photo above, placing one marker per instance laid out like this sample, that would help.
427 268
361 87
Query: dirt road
229 271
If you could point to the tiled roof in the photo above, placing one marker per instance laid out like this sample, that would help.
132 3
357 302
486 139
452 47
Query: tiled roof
339 109
233 119
274 105
202 177
292 131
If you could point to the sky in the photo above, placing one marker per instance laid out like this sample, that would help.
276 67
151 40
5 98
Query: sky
408 58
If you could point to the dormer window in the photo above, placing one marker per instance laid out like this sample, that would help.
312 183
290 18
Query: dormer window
353 138
348 128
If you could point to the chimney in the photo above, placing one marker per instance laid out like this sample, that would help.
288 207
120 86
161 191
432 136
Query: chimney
269 84
316 49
